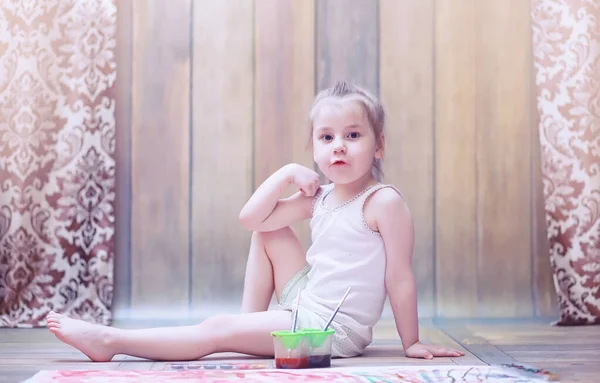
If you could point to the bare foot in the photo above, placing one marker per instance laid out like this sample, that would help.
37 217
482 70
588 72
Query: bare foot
91 339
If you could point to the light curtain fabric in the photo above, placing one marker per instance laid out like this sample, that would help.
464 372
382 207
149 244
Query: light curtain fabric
57 159
566 42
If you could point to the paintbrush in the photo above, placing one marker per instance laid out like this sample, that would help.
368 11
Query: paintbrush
337 309
295 320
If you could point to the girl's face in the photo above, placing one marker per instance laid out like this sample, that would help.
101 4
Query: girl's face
344 144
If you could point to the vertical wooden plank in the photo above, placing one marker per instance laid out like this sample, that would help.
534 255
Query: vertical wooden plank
455 166
504 61
222 149
544 295
160 158
406 89
122 288
347 45
347 33
284 42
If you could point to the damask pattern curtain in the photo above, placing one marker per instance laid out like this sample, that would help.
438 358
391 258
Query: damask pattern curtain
566 39
57 165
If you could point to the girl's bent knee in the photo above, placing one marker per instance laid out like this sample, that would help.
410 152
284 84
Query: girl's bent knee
269 235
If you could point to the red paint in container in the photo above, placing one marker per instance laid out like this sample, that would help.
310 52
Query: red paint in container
291 349
301 362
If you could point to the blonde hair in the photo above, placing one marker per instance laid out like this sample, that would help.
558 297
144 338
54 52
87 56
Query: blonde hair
343 90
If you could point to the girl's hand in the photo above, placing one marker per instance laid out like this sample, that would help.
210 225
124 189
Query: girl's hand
306 179
428 351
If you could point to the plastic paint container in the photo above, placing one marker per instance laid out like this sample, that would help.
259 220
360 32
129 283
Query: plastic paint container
308 348
319 353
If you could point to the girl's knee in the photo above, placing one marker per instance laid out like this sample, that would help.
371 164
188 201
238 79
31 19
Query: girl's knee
217 323
267 236
219 327
222 329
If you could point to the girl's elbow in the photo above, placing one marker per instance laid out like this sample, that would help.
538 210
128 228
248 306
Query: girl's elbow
399 280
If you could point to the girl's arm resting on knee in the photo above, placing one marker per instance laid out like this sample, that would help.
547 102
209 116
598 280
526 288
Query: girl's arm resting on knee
395 225
267 211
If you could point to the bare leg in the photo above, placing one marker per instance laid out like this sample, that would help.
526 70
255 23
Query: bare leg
243 333
274 258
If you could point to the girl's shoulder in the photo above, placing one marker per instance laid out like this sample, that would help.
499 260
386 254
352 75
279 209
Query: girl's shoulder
385 204
383 200
385 193
384 197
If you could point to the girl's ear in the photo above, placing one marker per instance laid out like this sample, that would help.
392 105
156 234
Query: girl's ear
380 146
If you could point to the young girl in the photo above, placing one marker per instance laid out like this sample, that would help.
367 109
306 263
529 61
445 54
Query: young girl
362 237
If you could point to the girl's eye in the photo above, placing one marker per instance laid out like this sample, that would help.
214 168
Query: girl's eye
327 137
353 135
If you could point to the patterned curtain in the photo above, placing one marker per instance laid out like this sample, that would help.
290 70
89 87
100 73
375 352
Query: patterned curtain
57 165
566 38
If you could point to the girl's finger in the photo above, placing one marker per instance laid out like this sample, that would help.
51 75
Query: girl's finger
422 353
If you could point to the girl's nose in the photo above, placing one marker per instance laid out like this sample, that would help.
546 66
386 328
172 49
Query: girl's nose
339 147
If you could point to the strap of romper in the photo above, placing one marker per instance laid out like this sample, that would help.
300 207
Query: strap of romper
321 193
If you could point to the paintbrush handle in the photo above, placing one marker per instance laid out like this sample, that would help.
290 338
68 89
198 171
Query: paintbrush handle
295 320
337 309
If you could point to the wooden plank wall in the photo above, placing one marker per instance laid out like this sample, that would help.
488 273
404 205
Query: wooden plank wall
220 92
160 156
